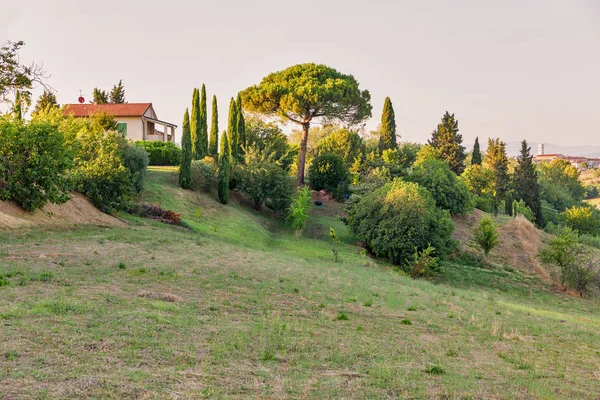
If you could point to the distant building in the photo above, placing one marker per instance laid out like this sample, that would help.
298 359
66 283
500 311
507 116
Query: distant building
541 149
137 121
577 162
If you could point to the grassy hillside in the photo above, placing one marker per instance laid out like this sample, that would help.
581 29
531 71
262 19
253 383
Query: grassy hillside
237 307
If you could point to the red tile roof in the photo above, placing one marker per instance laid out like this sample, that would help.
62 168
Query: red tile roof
116 110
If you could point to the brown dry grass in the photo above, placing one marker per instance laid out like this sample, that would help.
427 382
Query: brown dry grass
77 211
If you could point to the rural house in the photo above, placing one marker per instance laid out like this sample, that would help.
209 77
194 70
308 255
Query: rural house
137 121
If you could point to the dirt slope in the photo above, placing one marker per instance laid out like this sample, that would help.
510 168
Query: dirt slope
520 242
78 210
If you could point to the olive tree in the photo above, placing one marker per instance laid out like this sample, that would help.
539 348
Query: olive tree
308 93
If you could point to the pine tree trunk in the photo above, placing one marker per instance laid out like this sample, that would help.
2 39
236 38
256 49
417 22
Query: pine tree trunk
302 155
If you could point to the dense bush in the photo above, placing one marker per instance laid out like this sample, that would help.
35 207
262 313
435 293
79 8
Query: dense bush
34 163
399 219
161 153
265 182
135 159
328 171
524 210
583 219
204 174
343 142
449 192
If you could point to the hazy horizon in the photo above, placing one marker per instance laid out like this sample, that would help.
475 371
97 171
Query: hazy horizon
511 70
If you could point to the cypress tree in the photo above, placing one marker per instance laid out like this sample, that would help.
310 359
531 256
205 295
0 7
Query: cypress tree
17 107
387 137
203 152
526 182
476 157
195 125
213 145
448 142
508 204
224 170
497 161
185 166
232 126
241 127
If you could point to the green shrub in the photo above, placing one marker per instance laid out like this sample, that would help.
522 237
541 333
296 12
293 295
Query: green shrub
484 204
298 210
424 263
265 182
204 174
34 161
449 192
583 219
485 235
398 219
524 210
135 159
161 153
327 171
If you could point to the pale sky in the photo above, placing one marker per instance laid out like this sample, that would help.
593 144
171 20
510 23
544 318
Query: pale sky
510 69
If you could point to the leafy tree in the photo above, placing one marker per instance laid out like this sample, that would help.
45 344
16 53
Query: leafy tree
17 77
268 139
387 138
497 161
449 192
195 125
232 129
485 235
428 152
117 94
526 182
224 170
213 145
185 166
343 142
448 142
34 160
399 219
479 180
559 184
328 172
476 156
100 96
45 101
582 219
202 140
307 92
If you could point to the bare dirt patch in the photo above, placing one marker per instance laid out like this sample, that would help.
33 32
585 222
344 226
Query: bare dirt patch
77 211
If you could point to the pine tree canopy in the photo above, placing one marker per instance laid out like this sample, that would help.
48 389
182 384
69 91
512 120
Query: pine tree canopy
448 142
117 94
387 138
526 182
45 101
100 96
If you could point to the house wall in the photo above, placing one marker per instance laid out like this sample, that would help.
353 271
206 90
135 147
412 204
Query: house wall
135 130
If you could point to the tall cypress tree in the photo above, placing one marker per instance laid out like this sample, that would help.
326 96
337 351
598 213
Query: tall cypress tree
387 138
17 108
203 151
476 157
213 145
185 165
232 126
195 124
448 142
241 126
497 161
526 182
224 170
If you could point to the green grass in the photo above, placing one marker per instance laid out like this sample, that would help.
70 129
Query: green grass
249 311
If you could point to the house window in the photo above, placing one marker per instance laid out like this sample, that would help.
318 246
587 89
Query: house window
122 128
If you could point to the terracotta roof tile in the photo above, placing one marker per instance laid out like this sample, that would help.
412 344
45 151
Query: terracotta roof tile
117 110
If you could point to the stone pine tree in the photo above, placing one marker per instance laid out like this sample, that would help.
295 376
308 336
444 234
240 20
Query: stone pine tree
213 145
387 135
232 126
526 182
224 170
497 161
185 165
448 142
117 94
46 101
241 127
195 125
307 93
203 150
476 156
